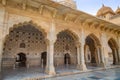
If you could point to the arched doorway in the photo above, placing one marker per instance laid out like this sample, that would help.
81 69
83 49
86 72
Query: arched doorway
43 59
21 59
26 38
113 52
65 49
92 51
67 59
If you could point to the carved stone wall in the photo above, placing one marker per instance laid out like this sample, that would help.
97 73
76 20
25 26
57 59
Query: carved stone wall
34 41
65 44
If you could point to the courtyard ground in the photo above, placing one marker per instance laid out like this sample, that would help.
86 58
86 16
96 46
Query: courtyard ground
62 74
110 74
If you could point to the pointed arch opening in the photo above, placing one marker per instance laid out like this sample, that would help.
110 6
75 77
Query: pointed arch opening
92 49
65 49
113 52
26 38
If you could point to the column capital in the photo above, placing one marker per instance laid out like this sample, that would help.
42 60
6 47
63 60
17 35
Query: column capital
51 40
1 50
50 53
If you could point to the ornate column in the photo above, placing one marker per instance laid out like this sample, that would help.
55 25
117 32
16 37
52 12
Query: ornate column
50 58
1 52
87 53
98 55
82 57
119 49
82 60
116 56
3 31
14 64
28 62
104 50
78 55
50 69
100 60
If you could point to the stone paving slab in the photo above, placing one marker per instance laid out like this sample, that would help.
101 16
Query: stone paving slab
110 74
73 74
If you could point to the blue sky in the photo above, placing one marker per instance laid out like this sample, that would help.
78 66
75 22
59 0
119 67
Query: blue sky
92 6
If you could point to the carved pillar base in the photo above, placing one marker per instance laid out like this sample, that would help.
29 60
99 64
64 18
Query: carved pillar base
50 70
0 67
82 67
1 51
107 64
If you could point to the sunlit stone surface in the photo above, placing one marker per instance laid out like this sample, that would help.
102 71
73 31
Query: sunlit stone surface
52 38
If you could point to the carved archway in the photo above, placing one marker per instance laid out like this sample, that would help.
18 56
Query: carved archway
113 54
28 23
28 38
65 43
92 51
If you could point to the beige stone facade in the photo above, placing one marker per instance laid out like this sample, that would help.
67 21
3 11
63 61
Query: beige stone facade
47 34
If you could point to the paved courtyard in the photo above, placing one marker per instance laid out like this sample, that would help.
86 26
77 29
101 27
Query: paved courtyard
22 73
110 74
36 72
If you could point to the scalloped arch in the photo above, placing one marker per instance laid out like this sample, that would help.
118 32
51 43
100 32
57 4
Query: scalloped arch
29 23
113 42
70 32
95 38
